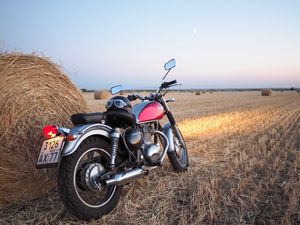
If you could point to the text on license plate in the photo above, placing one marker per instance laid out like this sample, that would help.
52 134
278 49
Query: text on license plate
50 151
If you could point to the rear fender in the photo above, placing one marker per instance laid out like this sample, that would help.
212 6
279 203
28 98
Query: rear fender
82 132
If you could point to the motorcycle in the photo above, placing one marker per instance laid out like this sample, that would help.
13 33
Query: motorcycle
105 151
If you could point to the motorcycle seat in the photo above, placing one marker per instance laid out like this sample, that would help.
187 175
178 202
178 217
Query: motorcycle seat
87 118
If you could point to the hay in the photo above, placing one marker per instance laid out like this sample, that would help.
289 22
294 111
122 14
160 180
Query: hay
102 95
33 93
197 92
266 92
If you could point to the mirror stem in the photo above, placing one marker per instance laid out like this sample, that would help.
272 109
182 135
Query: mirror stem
166 74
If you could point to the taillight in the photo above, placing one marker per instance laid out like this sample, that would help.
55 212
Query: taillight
50 131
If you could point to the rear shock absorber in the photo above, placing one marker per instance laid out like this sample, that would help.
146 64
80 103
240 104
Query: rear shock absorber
115 135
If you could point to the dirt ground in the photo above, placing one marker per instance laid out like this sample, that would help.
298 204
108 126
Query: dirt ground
244 154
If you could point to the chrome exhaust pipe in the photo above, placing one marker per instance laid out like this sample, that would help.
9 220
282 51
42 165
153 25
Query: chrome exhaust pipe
124 177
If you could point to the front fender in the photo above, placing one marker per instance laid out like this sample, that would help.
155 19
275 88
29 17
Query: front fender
167 130
82 132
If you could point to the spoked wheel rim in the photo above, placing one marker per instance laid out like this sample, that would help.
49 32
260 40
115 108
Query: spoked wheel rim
92 198
180 149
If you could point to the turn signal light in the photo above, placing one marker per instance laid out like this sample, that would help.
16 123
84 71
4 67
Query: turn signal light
50 131
71 137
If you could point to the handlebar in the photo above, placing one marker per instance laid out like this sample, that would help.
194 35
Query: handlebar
133 97
167 84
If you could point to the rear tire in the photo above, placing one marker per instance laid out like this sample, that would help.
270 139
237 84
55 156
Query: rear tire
179 157
72 192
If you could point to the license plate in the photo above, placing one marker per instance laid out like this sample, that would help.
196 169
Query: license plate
50 152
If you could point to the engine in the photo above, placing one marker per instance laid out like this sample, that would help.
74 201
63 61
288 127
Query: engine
134 139
147 140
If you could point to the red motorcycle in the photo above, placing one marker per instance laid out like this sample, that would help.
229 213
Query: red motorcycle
105 151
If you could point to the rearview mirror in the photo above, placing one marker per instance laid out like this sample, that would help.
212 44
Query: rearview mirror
170 64
116 89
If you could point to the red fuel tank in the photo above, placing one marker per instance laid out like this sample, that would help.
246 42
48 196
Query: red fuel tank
148 111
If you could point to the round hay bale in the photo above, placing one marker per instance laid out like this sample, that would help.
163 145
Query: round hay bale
298 91
102 94
197 92
266 92
33 93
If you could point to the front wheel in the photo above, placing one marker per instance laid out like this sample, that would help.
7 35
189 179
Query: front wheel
82 195
179 156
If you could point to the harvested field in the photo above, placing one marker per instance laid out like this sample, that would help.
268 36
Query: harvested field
244 168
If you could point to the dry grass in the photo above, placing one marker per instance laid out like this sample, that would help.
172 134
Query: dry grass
244 168
33 92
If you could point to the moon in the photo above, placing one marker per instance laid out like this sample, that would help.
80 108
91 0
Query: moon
195 31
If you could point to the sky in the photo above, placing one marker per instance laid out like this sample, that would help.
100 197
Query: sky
216 43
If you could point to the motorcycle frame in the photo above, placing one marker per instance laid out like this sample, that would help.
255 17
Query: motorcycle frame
81 132
84 131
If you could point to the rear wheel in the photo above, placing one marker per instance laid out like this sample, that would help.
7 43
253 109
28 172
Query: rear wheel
77 180
179 156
